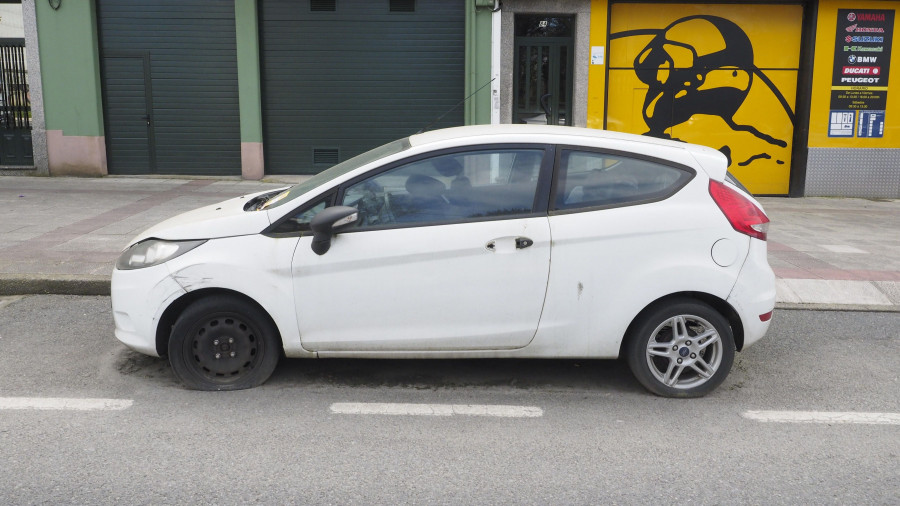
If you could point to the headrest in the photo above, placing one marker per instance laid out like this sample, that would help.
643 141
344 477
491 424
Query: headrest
420 185
447 167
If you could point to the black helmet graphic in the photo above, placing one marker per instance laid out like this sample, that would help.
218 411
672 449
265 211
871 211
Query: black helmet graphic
698 65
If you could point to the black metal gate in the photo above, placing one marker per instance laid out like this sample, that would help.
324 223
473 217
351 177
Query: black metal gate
15 105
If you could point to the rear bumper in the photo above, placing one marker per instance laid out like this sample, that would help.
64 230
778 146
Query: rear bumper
753 294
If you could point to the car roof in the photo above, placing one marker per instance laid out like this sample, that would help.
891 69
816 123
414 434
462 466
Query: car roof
529 133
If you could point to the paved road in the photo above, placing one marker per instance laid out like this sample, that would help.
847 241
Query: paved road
588 434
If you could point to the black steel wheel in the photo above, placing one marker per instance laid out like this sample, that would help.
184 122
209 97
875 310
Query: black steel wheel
223 343
682 348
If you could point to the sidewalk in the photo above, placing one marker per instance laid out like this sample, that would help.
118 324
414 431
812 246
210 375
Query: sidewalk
835 252
63 235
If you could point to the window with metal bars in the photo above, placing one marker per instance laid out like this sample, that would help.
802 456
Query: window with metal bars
15 104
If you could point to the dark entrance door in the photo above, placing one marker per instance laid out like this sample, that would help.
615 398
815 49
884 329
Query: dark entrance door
15 105
543 69
129 141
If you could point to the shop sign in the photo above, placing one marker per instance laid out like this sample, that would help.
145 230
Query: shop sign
859 84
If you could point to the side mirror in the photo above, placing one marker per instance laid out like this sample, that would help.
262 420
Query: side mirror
329 222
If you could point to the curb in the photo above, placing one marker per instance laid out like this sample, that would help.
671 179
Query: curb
66 284
60 284
868 308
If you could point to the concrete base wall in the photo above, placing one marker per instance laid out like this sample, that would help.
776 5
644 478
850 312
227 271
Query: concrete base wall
72 155
853 172
252 166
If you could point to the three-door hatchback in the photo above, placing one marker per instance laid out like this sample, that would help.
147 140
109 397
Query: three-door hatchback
472 242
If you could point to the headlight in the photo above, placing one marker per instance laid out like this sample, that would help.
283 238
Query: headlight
153 252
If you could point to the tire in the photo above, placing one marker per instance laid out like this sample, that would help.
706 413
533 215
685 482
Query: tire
690 362
221 342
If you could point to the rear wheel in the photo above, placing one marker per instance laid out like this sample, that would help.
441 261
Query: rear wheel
681 349
223 343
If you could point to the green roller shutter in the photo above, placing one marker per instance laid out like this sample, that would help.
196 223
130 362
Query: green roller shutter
343 76
172 63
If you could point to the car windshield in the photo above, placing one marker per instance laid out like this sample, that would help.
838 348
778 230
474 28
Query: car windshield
336 171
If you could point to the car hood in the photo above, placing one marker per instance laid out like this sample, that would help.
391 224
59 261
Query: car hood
225 219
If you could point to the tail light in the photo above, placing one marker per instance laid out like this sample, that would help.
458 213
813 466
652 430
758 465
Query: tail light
743 214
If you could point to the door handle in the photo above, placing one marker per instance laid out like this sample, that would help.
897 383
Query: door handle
505 244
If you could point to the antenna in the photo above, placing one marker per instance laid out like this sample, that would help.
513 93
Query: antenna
426 127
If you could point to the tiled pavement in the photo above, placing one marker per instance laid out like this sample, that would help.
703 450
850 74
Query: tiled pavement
835 251
75 226
56 232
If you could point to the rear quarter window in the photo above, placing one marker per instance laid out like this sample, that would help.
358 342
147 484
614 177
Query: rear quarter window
592 179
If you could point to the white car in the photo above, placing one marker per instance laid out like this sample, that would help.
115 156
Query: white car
472 242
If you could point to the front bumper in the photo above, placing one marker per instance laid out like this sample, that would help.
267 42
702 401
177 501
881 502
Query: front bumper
139 298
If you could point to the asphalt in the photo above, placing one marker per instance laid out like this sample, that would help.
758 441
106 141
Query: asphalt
62 236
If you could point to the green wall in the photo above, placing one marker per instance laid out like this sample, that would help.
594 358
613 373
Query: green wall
70 67
478 61
246 24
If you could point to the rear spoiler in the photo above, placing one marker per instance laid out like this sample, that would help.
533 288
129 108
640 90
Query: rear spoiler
713 162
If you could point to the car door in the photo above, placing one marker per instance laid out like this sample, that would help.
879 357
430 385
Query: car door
627 229
451 251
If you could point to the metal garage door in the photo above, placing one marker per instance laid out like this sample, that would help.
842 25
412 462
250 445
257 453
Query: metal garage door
343 76
169 75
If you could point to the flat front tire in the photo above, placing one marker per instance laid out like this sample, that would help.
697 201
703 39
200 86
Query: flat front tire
221 342
684 348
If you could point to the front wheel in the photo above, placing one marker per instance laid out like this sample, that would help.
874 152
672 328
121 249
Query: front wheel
681 349
223 343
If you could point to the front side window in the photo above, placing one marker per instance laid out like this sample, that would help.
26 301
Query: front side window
449 188
593 179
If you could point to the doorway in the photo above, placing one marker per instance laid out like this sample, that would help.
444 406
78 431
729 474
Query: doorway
170 87
542 74
128 106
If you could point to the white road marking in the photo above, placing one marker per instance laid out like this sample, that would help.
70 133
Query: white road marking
835 417
64 404
378 408
843 248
